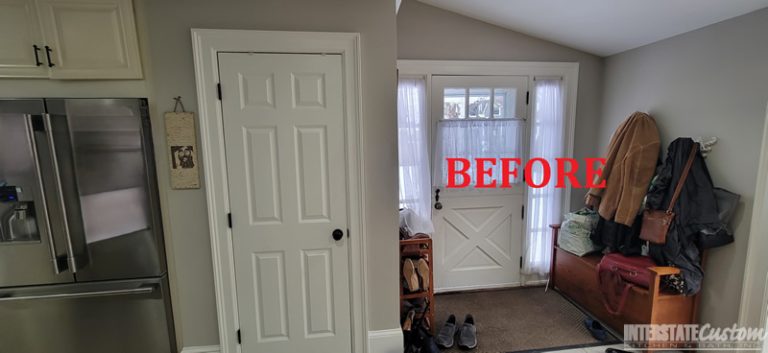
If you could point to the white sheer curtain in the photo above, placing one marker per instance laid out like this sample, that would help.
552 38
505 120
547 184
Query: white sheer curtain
413 153
490 138
544 204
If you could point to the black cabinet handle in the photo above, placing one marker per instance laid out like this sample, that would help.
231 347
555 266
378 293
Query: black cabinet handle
48 51
37 57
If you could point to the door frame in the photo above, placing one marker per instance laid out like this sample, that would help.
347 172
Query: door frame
206 44
568 71
754 292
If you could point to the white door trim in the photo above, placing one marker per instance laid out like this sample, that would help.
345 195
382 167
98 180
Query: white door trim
569 71
206 43
754 292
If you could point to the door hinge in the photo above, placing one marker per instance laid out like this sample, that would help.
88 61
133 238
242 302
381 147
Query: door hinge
229 220
239 340
522 212
527 96
521 262
218 90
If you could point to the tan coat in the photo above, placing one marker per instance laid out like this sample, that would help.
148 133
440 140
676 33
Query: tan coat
629 167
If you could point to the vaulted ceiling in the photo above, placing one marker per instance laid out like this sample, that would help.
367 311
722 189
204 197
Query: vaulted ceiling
602 27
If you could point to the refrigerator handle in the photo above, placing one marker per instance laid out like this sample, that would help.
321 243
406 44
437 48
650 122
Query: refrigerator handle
60 191
41 187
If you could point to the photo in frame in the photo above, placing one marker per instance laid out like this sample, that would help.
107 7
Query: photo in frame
182 148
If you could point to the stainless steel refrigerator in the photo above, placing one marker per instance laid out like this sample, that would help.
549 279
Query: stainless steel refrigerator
82 261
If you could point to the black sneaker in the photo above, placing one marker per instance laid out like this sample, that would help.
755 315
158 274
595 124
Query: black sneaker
597 330
468 333
444 338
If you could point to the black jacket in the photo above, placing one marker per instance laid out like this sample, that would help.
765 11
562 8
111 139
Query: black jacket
698 222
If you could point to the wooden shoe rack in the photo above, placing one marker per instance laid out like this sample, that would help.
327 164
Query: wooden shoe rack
414 249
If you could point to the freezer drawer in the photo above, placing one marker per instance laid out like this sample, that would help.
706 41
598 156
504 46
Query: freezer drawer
131 316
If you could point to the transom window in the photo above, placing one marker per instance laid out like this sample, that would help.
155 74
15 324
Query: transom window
479 102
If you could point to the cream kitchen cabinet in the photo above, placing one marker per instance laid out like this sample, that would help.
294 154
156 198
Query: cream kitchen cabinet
21 40
69 39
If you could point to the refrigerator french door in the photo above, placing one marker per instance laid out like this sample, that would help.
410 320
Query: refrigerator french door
82 260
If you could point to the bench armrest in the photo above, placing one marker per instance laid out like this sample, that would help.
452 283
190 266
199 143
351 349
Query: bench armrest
664 270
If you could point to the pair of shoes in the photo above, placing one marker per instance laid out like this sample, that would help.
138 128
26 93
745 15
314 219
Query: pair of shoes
467 333
413 271
596 329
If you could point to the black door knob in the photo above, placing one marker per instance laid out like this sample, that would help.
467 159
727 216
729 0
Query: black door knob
337 234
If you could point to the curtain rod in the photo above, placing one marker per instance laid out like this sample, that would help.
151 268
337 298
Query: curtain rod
481 119
535 78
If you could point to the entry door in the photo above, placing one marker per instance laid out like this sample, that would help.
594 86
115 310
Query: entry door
285 149
478 233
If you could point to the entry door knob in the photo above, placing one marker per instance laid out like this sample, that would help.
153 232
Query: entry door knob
337 234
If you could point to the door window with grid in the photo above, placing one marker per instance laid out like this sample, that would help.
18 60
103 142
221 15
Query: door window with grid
481 117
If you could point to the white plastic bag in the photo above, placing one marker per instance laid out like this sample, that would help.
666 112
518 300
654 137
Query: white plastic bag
575 230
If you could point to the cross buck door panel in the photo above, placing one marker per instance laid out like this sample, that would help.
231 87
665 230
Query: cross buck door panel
478 232
284 137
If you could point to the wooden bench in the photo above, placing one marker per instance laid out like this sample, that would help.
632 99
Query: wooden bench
575 277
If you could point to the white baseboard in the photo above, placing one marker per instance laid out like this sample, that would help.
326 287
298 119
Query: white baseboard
382 341
538 282
201 349
385 341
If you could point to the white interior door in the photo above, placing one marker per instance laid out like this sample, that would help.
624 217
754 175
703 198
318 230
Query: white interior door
284 131
478 233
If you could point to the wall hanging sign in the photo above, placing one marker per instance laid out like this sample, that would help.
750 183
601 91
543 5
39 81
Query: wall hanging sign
182 147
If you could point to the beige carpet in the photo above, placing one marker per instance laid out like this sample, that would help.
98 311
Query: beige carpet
516 319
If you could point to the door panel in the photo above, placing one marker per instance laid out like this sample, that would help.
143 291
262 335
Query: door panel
284 138
479 232
106 164
35 254
91 40
21 29
477 243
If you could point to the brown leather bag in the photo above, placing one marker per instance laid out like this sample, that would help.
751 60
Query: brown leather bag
656 222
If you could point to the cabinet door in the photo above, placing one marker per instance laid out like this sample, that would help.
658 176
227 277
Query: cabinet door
91 39
19 32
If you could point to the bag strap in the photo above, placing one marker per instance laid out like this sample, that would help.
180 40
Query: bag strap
622 301
683 177
606 288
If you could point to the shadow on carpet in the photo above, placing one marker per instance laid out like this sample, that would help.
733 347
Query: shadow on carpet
516 319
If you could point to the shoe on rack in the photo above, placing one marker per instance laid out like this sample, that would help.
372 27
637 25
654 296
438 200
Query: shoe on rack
409 273
408 322
422 267
444 338
468 333
418 304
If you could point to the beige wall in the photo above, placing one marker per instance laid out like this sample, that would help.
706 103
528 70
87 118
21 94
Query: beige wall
710 82
427 32
164 28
